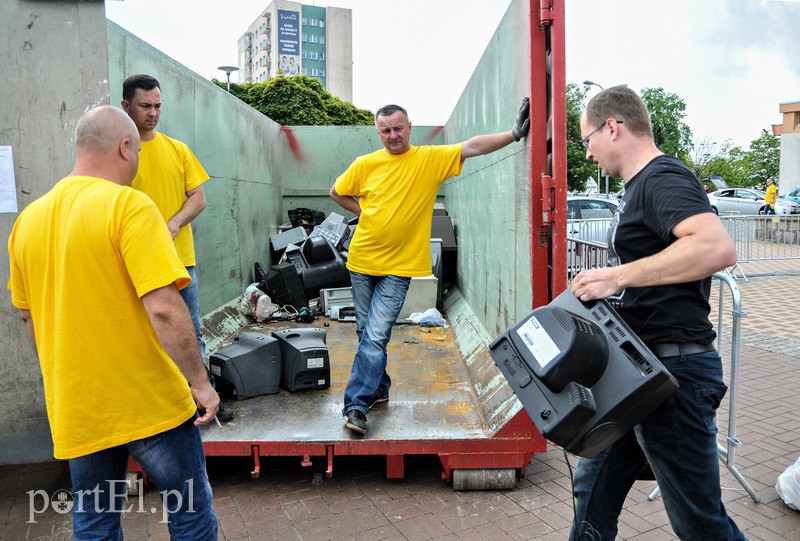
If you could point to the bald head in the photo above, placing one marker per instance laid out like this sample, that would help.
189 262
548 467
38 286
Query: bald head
102 129
107 145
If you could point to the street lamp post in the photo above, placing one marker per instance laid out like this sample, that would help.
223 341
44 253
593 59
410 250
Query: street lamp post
228 70
592 83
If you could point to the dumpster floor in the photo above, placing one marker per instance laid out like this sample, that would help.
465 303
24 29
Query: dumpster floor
431 397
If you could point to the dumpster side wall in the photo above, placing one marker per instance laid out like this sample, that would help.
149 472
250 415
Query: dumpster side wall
241 150
324 153
489 204
54 66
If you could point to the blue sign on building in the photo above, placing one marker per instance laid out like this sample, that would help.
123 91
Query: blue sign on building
288 32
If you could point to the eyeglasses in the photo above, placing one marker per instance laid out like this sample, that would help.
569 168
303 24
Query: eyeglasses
585 140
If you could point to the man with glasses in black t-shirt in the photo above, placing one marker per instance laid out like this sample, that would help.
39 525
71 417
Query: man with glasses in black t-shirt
666 244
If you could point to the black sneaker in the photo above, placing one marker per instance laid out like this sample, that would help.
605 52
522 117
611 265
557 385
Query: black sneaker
224 413
378 400
356 421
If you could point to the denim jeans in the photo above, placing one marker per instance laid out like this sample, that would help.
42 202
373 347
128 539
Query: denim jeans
175 462
377 300
769 209
679 440
191 297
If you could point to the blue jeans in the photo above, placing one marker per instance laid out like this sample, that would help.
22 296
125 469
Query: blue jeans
679 440
769 209
377 300
175 462
191 297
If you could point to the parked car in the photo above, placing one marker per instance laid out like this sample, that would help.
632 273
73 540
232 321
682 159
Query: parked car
589 217
747 201
793 195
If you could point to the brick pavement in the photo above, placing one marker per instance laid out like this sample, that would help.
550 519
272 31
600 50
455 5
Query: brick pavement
289 502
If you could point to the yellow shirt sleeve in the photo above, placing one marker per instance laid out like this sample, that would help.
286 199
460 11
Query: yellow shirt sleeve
16 284
148 250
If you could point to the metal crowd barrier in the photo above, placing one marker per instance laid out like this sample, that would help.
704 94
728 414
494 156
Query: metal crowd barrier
759 238
591 229
583 254
727 452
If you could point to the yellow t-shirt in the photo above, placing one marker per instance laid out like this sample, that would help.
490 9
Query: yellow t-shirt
396 194
771 193
81 257
167 171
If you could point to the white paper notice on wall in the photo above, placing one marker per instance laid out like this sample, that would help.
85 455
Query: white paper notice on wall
8 188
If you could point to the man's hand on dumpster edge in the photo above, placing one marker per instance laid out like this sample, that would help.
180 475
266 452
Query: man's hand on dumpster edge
207 399
523 122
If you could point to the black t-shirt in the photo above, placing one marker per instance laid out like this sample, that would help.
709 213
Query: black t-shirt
656 199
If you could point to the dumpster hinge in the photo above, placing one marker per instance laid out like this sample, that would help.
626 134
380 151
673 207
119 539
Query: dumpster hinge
548 198
545 13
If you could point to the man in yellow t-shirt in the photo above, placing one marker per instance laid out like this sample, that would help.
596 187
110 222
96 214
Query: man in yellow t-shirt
396 188
173 177
95 276
772 197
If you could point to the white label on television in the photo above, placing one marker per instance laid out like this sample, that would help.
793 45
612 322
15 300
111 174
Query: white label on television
320 382
316 362
216 370
539 343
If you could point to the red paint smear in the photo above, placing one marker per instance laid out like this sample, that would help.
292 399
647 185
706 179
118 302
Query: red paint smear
294 145
433 134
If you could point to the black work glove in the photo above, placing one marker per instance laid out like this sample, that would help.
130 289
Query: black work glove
523 122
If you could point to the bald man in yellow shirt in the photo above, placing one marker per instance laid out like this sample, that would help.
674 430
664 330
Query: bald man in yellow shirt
96 279
396 188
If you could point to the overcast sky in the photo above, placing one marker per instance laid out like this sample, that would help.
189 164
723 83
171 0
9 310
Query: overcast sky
732 61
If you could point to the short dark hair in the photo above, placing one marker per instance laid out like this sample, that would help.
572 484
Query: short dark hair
134 82
390 109
620 103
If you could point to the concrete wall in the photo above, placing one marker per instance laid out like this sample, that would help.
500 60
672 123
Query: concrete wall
790 162
54 66
339 56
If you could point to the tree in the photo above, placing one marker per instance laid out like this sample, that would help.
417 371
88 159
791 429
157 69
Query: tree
299 101
667 111
578 167
740 168
762 161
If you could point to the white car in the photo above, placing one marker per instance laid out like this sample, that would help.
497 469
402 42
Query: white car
589 217
747 201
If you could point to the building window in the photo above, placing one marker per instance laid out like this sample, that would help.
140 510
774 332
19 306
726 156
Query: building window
305 71
322 23
314 72
322 73
322 40
303 54
322 56
313 38
305 37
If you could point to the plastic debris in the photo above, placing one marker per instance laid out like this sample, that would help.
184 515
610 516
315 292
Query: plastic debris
429 318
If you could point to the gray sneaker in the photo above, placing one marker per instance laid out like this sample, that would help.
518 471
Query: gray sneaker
356 421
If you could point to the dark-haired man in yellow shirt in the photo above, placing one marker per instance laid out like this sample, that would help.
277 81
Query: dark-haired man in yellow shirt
172 176
396 189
